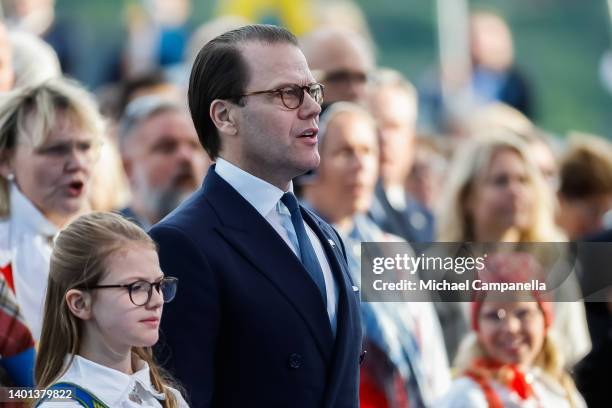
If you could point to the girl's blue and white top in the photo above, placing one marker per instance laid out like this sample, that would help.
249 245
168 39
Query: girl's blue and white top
114 388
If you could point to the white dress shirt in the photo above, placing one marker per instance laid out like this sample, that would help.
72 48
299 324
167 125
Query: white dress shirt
265 198
112 387
26 243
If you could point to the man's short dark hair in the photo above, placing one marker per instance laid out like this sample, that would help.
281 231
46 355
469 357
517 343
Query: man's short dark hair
586 169
220 72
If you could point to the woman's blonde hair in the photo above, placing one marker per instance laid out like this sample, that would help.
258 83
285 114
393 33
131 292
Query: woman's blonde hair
455 224
28 114
110 190
79 260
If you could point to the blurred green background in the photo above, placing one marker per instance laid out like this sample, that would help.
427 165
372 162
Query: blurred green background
558 44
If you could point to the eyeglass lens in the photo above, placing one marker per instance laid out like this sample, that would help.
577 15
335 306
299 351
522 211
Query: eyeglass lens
293 96
141 291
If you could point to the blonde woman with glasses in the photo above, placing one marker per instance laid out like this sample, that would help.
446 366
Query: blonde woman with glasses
49 138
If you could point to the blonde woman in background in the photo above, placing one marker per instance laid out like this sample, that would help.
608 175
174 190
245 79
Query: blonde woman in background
494 194
49 138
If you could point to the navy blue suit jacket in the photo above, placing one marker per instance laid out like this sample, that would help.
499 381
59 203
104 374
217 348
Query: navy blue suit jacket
248 327
402 223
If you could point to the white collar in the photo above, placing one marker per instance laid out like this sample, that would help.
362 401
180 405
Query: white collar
396 195
107 384
26 218
259 193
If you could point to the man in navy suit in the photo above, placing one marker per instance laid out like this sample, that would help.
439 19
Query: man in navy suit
394 105
267 314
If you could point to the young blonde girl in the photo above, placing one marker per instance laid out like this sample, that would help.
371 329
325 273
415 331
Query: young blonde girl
102 310
510 360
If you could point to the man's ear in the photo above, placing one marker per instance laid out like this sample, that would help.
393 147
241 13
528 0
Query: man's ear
79 303
221 115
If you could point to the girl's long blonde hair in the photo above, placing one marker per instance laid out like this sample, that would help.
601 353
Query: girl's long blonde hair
79 260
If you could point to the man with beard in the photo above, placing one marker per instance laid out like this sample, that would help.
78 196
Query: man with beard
394 105
162 157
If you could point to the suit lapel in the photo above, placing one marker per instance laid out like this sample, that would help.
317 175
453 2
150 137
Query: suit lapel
332 248
255 239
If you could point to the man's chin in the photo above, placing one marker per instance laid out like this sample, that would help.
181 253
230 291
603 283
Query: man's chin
312 163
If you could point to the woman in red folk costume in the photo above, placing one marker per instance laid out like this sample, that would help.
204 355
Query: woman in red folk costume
510 360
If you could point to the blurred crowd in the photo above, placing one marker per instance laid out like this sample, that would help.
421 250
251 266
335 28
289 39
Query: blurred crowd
448 159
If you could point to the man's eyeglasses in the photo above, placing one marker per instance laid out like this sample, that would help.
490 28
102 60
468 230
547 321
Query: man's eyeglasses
292 96
141 290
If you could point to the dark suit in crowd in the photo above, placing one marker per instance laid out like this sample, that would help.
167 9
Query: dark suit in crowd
266 314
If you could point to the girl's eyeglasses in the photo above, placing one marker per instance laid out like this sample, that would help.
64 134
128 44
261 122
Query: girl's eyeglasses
140 291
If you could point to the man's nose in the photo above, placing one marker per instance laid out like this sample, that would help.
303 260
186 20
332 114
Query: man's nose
359 162
310 108
356 91
185 152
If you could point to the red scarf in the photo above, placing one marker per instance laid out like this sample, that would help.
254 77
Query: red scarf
484 370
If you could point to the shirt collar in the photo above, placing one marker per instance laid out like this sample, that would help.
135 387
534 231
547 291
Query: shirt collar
26 217
143 377
107 384
259 193
396 195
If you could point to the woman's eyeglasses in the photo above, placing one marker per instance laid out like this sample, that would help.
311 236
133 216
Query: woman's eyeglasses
61 150
140 291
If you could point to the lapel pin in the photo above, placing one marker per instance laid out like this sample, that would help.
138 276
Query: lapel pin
331 242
